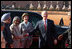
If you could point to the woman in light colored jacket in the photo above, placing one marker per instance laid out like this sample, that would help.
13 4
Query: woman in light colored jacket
26 27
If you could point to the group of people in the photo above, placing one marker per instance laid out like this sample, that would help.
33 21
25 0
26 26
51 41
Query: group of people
19 34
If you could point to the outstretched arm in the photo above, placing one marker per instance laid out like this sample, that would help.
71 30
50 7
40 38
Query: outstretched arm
35 29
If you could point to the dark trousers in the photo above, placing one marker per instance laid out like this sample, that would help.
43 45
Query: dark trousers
46 45
8 45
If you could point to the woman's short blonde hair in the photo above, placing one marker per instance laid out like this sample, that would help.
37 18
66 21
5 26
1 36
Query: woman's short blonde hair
24 14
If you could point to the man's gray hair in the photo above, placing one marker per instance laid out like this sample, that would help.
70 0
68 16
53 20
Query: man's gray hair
43 13
15 18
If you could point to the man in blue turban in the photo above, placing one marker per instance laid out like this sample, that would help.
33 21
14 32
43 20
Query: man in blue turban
5 16
5 20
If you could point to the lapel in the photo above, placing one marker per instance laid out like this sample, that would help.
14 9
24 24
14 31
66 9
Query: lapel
26 25
42 23
48 25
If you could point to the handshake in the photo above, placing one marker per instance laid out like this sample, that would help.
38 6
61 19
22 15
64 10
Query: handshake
22 36
27 34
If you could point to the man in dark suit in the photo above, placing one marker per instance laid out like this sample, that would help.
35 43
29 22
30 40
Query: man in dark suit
47 32
68 41
5 21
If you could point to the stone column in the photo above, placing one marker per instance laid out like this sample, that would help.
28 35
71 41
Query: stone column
69 7
44 7
57 6
31 5
64 7
39 6
51 6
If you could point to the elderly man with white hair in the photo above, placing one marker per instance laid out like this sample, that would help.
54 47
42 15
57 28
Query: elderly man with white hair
46 28
16 35
68 41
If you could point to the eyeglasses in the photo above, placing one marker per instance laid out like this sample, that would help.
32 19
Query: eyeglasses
9 19
17 21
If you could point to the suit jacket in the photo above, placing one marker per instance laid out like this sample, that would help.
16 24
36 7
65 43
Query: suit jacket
15 30
7 34
46 37
68 31
24 29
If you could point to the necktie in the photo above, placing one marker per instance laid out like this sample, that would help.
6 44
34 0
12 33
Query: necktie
45 25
